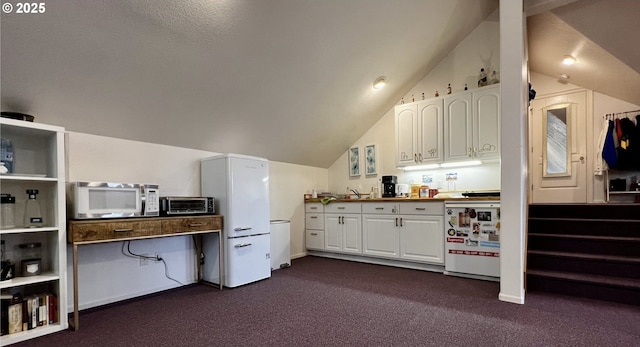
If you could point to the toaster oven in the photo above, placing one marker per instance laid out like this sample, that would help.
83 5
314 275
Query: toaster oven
179 206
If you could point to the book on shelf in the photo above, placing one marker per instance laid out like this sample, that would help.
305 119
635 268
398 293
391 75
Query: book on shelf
29 312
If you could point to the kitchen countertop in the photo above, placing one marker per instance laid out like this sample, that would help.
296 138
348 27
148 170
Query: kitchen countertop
487 198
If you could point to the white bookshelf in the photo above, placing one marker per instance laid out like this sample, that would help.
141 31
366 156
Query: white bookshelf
39 164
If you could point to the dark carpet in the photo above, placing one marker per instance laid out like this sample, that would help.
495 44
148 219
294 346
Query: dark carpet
326 302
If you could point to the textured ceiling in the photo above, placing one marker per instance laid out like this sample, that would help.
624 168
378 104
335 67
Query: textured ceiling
289 80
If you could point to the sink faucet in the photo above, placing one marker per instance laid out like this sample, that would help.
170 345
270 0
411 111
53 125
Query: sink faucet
357 193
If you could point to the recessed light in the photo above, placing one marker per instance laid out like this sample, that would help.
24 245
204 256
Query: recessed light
568 60
379 83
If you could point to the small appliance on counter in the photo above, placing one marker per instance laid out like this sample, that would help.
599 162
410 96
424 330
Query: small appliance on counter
389 186
402 190
181 206
115 200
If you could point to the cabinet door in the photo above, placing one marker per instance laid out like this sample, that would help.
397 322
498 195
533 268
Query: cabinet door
333 232
430 131
380 235
486 121
422 238
406 134
352 234
458 127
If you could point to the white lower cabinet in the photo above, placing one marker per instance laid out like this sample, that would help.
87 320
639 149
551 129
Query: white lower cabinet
380 235
411 231
414 231
343 228
343 233
314 226
421 238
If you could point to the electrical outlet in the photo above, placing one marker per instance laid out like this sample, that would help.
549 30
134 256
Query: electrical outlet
143 260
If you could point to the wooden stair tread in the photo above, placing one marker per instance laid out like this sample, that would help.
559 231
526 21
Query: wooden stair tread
589 237
601 257
587 278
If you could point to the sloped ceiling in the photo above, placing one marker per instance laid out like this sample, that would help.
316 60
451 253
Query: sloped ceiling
600 34
289 80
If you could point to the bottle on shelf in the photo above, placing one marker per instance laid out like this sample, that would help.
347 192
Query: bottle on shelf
437 94
32 213
402 100
348 195
493 78
465 87
8 208
6 155
449 88
422 96
482 78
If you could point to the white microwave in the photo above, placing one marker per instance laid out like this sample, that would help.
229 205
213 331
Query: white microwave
115 200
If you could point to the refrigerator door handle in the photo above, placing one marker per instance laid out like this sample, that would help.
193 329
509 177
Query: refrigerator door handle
240 245
242 229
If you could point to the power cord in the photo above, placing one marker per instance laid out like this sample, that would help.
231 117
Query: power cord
130 254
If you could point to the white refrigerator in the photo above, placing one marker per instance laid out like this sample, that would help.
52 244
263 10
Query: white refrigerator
472 239
240 187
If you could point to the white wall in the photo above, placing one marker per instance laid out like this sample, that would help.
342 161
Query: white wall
105 274
480 49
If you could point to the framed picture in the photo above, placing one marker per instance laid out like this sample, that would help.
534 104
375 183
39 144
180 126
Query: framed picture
370 160
354 161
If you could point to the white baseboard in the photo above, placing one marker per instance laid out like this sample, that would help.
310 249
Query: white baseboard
512 299
299 255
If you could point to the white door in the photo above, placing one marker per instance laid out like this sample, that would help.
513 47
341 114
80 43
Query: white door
557 137
352 234
332 232
458 127
430 130
380 235
406 134
422 238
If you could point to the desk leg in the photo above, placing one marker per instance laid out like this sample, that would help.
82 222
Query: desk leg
75 325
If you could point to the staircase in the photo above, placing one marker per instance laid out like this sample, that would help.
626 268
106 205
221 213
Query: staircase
586 250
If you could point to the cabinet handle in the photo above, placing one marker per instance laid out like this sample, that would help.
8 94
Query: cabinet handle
314 217
313 208
193 225
415 157
341 208
342 219
396 221
420 157
379 208
240 245
314 234
420 208
122 230
470 152
400 222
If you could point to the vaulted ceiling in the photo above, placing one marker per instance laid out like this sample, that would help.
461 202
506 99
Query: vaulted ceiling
289 80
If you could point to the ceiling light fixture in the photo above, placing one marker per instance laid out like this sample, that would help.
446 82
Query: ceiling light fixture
379 83
568 60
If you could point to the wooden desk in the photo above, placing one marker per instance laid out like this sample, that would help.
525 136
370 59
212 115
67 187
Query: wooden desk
92 231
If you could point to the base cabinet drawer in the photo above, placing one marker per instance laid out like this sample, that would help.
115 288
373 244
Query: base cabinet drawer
314 239
314 221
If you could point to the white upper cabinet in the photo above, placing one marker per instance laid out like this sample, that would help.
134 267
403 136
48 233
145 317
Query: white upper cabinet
419 133
458 124
472 125
486 120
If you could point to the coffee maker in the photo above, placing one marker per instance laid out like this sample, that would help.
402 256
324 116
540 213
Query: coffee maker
389 186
